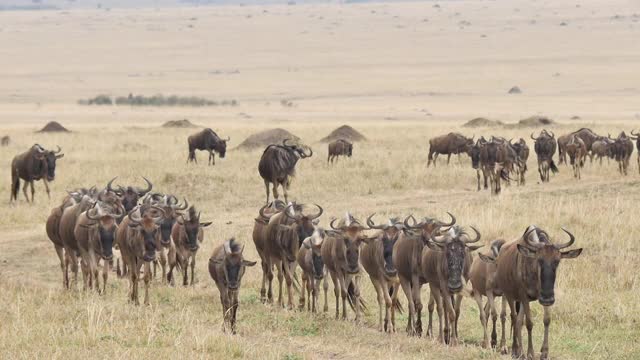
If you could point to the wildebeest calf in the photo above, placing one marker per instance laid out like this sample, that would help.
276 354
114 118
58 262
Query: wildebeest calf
187 235
310 261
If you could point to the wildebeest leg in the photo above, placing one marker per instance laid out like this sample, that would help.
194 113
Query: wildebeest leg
95 272
517 333
478 176
280 282
430 306
344 292
544 351
394 302
305 289
389 325
448 158
234 310
163 265
336 292
105 274
406 287
147 281
184 264
275 190
193 269
417 301
430 158
529 323
312 294
325 287
483 318
224 299
494 318
24 190
503 321
46 187
380 297
285 187
266 186
435 293
449 327
288 276
458 298
33 191
73 261
60 253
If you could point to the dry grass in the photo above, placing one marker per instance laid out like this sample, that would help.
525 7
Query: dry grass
596 314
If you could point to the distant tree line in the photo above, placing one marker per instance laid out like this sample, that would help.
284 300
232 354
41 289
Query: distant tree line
155 100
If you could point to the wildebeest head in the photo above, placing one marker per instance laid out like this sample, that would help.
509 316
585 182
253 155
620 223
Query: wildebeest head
314 243
454 247
49 158
146 219
130 195
172 209
301 226
474 152
390 232
298 149
304 223
426 226
468 144
192 228
219 145
351 232
547 258
233 264
104 227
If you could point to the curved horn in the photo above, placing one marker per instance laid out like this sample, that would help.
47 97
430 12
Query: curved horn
181 207
453 221
39 148
109 188
433 238
172 200
372 225
477 236
227 247
134 218
304 155
228 138
572 239
331 224
97 210
57 151
634 134
286 212
320 211
534 139
526 235
149 187
121 212
163 214
406 222
285 141
262 214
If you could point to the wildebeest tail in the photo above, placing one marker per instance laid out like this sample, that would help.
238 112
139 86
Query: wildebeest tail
553 167
396 303
15 187
351 295
504 175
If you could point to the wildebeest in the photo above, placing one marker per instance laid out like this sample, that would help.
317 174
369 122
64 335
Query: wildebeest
338 148
621 150
636 137
577 151
522 151
285 233
496 159
95 233
278 164
260 236
482 276
138 240
446 262
35 164
310 262
341 255
226 267
187 235
452 143
585 134
129 195
526 271
602 148
407 257
5 140
377 260
207 140
545 148
66 232
474 154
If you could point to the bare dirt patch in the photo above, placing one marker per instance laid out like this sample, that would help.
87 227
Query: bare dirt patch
54 126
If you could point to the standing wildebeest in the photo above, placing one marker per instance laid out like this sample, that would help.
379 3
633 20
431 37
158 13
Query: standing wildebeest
601 148
621 150
474 154
226 267
5 140
310 261
377 260
207 140
446 262
452 143
341 255
130 195
406 258
585 134
95 232
285 233
138 240
522 151
338 148
577 151
636 137
526 271
545 148
187 235
278 165
67 234
483 281
260 236
33 165
496 159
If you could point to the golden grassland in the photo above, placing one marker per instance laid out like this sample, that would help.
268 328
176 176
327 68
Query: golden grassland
596 314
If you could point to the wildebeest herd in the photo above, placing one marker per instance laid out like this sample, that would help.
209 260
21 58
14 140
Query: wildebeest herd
151 229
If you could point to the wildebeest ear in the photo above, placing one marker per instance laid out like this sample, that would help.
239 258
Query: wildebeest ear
474 247
59 156
526 251
248 263
205 224
487 258
571 254
315 222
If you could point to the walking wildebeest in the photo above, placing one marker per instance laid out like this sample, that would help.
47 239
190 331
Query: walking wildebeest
341 256
129 195
526 271
446 262
278 165
577 151
474 154
602 148
585 134
496 158
522 151
226 267
621 149
545 148
636 137
452 143
207 140
407 259
483 281
310 261
377 260
95 233
5 140
260 236
338 148
285 233
187 235
138 240
66 232
35 164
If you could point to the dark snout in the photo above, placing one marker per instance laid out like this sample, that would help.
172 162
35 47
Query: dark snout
233 285
107 237
454 286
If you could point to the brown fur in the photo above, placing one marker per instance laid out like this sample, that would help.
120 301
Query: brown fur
311 279
452 143
67 226
183 253
338 148
577 151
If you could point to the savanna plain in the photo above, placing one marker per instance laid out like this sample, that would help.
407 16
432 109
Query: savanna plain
400 73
